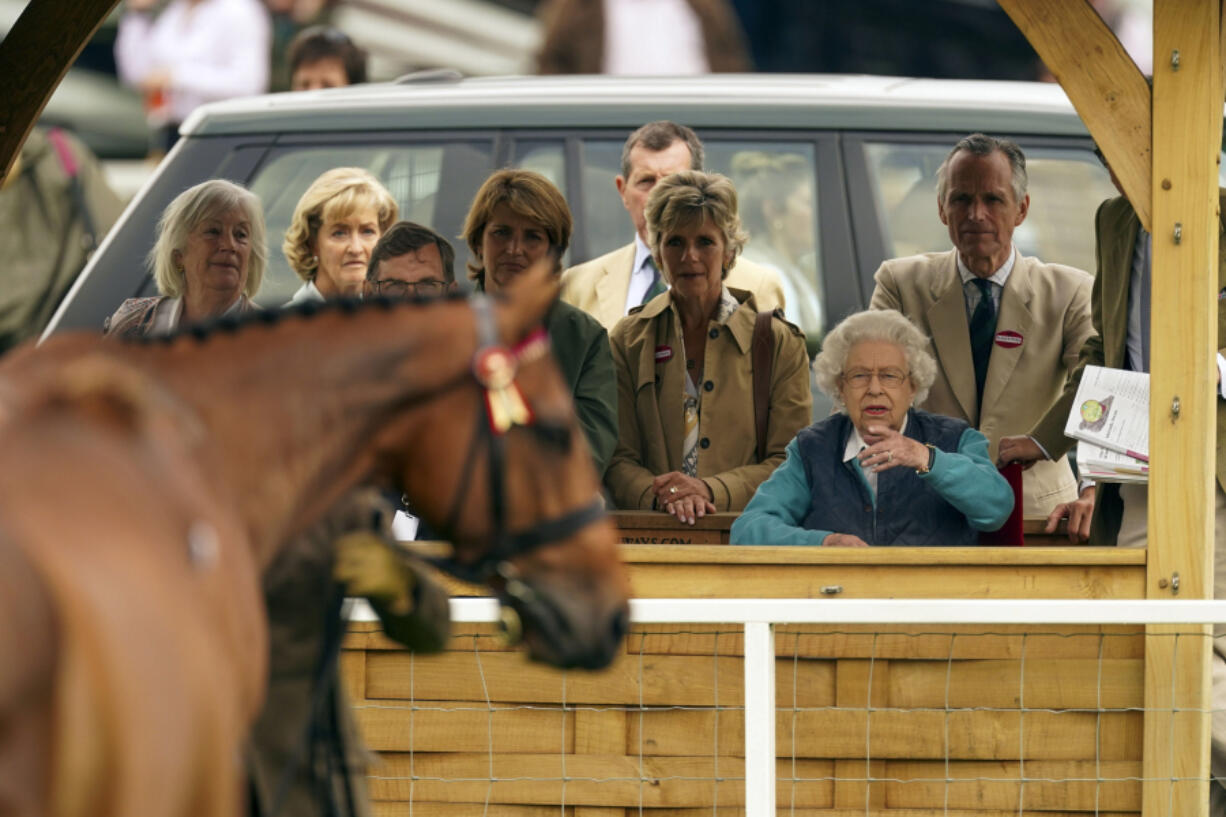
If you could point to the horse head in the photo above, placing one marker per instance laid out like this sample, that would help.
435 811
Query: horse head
523 504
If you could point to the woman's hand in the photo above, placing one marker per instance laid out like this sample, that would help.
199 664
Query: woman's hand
888 449
843 540
686 498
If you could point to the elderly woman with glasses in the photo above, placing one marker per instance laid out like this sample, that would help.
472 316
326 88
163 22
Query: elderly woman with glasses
880 471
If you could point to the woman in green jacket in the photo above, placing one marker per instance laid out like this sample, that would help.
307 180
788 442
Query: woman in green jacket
517 218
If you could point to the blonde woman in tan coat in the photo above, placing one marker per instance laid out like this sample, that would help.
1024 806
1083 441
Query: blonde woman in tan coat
688 443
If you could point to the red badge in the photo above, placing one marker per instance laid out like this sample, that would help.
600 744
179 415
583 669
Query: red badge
1008 339
664 354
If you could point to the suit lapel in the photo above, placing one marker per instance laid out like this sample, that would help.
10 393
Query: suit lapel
951 335
612 287
1015 316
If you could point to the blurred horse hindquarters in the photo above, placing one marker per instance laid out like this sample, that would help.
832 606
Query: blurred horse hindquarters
148 485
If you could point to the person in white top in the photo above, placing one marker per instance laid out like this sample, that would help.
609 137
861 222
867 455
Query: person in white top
193 52
335 226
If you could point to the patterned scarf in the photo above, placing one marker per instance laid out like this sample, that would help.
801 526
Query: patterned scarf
691 401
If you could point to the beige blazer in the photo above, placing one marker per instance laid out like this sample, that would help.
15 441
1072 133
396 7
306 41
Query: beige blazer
599 286
648 356
1046 305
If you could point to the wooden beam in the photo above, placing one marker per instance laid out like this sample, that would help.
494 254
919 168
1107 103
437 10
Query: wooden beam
1101 80
1187 117
34 57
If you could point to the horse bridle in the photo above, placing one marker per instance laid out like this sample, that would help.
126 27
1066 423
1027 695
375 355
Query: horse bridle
495 368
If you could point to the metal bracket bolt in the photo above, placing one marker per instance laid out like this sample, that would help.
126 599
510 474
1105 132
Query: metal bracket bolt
1173 583
1178 232
1175 60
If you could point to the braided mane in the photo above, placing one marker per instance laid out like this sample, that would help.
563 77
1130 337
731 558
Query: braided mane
229 324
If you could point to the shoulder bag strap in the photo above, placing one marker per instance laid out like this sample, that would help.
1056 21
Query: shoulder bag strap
762 351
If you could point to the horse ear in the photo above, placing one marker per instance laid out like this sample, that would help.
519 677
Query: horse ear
527 298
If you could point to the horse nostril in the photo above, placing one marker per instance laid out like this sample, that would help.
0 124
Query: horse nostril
621 625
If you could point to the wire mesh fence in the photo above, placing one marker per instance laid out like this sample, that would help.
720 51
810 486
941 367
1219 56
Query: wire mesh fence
868 719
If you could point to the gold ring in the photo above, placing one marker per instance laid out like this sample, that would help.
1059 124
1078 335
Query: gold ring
889 456
672 489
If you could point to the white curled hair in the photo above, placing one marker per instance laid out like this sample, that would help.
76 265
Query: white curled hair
874 325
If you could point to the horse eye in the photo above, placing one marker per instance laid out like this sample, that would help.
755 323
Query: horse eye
553 434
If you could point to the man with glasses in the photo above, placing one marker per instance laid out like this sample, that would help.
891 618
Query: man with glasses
411 260
1006 328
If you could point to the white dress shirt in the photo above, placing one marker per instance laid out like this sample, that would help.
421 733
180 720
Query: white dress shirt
659 37
997 279
642 275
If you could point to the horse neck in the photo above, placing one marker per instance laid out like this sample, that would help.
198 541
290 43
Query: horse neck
303 411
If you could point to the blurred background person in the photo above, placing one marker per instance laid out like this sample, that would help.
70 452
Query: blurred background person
190 53
879 471
288 17
689 444
208 260
333 230
778 210
659 37
324 57
55 208
517 219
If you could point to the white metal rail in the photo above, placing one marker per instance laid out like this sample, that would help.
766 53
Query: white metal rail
759 617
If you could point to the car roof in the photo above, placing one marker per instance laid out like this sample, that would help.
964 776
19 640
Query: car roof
439 100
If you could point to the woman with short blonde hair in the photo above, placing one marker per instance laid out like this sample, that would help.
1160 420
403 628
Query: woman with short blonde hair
689 440
335 226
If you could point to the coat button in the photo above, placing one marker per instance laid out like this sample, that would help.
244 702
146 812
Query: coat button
708 386
705 442
868 508
713 334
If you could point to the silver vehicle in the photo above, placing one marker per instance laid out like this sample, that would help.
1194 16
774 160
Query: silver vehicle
835 173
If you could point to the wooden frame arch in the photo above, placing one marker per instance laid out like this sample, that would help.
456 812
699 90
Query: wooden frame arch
34 57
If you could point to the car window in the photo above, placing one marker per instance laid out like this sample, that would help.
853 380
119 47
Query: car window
432 183
777 201
1066 186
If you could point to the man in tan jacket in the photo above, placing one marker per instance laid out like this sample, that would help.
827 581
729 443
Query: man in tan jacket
609 286
1006 329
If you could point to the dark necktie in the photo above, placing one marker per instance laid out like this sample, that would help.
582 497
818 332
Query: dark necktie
983 327
657 283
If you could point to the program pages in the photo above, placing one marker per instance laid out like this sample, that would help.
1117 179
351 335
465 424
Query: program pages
1110 421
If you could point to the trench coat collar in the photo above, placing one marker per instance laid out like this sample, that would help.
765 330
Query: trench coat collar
740 326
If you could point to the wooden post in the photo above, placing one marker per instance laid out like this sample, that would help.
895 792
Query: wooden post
34 57
1102 82
1187 131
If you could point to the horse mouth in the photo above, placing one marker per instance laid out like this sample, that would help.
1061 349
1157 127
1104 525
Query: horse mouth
547 632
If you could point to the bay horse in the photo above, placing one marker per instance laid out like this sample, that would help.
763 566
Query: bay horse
144 487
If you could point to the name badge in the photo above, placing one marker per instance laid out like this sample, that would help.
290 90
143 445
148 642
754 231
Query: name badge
664 354
1008 339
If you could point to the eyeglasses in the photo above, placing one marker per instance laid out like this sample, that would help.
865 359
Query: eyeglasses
399 289
888 378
